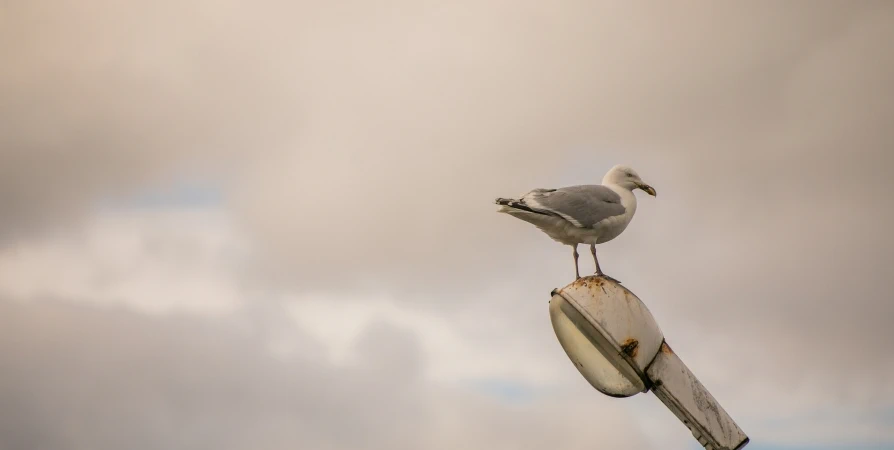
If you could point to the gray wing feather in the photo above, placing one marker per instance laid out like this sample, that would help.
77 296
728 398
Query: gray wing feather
583 206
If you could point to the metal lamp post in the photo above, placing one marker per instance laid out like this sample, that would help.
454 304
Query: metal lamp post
615 343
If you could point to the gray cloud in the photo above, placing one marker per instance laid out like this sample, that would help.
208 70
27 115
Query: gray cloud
78 377
360 148
102 97
409 145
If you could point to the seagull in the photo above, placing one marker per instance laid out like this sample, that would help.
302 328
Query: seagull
583 214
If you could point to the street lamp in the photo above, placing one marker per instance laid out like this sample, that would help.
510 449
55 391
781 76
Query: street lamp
615 343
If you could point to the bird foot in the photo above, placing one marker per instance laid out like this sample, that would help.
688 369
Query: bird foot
600 274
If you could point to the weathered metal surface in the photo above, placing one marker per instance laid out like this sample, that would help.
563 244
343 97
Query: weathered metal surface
620 315
614 342
676 386
591 352
607 332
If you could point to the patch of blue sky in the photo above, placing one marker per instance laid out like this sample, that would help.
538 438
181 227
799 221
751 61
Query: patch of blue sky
754 445
847 418
502 389
176 194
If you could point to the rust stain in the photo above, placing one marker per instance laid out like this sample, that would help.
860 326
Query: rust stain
597 283
587 281
630 347
666 348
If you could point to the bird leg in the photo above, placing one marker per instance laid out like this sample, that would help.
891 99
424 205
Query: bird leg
598 269
595 260
576 255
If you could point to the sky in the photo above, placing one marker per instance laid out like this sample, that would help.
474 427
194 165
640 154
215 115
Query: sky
270 225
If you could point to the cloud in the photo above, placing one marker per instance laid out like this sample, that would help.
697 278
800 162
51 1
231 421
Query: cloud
355 152
155 261
83 377
484 356
106 96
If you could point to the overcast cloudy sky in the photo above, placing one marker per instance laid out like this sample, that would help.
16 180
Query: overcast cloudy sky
270 225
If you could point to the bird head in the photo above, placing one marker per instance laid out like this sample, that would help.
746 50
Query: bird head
627 178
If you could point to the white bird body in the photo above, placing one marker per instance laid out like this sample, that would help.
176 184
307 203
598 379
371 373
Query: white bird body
584 214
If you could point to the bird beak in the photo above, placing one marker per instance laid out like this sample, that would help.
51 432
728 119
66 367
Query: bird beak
648 189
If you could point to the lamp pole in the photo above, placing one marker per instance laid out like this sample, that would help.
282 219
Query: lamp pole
615 343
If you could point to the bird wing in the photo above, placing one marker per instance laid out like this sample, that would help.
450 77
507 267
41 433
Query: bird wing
584 206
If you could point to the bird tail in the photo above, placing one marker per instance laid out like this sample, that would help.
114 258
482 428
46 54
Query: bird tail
518 209
509 204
